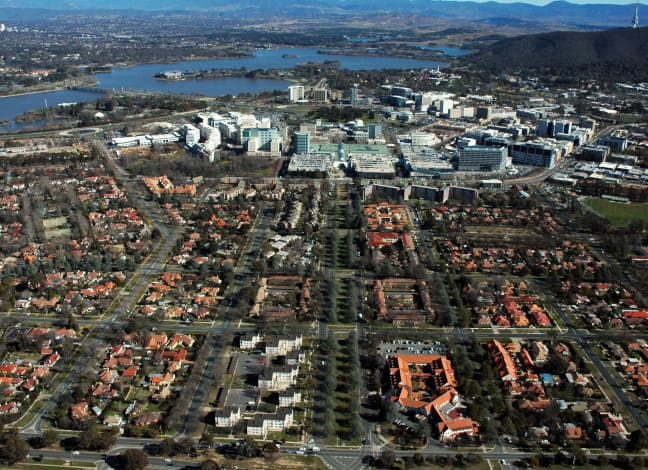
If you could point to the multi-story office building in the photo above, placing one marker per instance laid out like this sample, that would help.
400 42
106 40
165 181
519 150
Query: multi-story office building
321 95
354 94
295 93
375 131
192 134
616 143
302 142
261 140
482 158
536 153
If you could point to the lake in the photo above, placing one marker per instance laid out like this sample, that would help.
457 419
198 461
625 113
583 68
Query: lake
12 106
141 78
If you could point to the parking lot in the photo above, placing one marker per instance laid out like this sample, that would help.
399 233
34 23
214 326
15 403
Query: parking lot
411 347
244 364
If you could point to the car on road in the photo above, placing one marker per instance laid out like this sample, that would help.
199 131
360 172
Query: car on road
75 452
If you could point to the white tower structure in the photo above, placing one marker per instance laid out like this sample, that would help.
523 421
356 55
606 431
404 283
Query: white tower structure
635 18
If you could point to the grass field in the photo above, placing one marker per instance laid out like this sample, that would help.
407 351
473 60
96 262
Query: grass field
618 213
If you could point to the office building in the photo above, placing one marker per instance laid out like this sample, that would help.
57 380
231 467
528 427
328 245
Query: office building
375 131
192 134
616 143
361 137
295 93
535 153
261 140
321 95
302 142
425 162
482 158
354 94
597 153
401 91
445 106
310 163
551 127
373 166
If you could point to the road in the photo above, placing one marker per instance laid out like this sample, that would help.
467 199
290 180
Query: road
563 163
220 336
335 458
150 269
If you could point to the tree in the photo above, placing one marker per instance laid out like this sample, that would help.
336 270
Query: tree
12 447
209 465
168 447
386 459
638 441
50 437
134 459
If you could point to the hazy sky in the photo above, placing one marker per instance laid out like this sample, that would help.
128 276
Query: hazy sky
544 2
136 3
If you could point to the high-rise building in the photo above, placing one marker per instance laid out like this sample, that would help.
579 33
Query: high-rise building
551 127
545 127
562 127
445 106
321 95
302 142
354 94
375 131
295 93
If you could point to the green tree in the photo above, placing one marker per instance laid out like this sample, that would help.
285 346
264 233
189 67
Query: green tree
209 465
638 441
50 437
12 447
386 459
134 459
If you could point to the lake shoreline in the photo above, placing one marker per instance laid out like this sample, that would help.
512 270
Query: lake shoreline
55 86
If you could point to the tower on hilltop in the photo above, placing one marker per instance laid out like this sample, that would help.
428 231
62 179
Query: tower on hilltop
635 18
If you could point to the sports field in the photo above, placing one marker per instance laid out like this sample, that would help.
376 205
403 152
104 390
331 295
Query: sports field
618 213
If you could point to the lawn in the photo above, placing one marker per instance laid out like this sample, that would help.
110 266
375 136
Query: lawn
49 464
618 213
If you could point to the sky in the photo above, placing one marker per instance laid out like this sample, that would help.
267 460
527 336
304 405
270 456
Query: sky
578 2
134 3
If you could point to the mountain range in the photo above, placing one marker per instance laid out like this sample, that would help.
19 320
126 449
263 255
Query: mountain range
620 54
572 16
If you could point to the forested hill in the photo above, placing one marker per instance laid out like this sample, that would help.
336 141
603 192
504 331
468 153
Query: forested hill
612 53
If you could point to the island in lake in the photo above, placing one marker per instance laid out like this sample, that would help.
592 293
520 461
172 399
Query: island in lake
179 75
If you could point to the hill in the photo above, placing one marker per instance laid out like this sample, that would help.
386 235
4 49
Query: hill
560 14
611 53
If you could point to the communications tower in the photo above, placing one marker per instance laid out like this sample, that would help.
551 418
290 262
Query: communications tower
635 18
